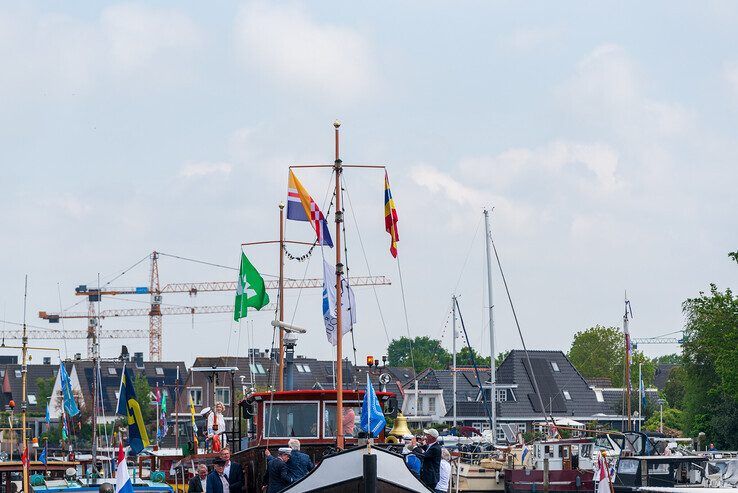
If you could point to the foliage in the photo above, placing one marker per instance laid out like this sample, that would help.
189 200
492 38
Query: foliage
710 373
143 397
600 352
674 388
500 358
673 419
43 395
423 351
668 359
464 358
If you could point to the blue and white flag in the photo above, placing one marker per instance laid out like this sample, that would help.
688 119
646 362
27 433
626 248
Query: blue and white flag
70 406
643 394
48 416
122 478
348 304
42 458
372 417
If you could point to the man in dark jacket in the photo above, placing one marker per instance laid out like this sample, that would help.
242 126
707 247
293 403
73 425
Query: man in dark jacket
278 476
300 463
199 482
431 458
233 471
217 480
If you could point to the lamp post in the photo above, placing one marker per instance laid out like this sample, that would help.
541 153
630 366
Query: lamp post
661 415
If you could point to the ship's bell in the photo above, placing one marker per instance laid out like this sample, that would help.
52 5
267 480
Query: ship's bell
400 428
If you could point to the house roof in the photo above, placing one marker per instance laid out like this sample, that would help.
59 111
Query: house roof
662 375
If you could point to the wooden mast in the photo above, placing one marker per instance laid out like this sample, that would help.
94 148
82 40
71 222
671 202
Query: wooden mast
24 379
626 331
281 295
339 271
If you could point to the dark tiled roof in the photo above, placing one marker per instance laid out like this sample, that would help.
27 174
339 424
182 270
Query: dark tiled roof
662 375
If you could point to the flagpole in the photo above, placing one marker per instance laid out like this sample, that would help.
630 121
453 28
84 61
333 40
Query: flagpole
627 362
281 295
339 270
640 396
24 374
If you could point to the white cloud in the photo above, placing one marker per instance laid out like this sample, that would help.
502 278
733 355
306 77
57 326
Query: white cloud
286 45
197 170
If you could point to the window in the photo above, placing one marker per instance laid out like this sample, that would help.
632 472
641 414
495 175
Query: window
291 419
567 395
256 368
32 399
299 367
351 419
500 434
501 395
159 371
111 371
17 373
555 366
599 396
2 373
196 396
432 404
223 394
306 368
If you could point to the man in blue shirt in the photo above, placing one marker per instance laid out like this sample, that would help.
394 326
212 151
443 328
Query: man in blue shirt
300 463
412 461
278 477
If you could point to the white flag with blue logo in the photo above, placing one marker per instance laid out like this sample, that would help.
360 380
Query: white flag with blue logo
372 417
348 304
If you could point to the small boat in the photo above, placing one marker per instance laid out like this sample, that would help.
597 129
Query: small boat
660 473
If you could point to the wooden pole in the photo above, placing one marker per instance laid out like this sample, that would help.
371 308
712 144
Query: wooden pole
339 270
281 296
24 379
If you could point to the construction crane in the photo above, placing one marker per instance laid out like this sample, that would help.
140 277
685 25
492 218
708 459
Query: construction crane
73 334
656 340
155 311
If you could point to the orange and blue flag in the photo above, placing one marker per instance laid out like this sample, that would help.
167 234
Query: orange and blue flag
302 207
390 217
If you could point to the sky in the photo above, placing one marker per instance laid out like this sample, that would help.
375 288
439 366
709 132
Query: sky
601 135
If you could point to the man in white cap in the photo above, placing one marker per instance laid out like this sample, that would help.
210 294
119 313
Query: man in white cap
278 476
431 459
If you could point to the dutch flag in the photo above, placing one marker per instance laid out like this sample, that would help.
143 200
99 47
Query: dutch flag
122 479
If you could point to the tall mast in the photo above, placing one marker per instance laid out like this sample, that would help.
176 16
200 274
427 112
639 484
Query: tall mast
626 331
337 167
492 369
281 295
24 379
453 307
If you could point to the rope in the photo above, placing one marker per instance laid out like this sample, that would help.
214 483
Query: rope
348 274
407 324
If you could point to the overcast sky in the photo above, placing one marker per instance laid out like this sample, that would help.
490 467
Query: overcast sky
604 136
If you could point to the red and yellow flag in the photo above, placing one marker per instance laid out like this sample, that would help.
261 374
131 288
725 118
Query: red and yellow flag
390 217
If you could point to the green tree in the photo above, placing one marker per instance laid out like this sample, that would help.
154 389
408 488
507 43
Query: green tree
464 358
43 395
600 352
710 374
668 359
143 397
424 351
673 421
500 358
674 389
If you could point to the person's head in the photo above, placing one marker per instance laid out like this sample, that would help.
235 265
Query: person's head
202 470
430 435
225 454
219 407
712 445
445 454
284 453
219 465
294 444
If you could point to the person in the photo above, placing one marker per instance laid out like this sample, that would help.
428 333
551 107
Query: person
278 476
198 484
216 426
348 418
217 481
233 471
712 447
300 463
412 461
444 472
430 458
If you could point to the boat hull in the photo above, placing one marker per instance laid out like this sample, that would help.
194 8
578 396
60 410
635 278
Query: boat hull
564 481
472 478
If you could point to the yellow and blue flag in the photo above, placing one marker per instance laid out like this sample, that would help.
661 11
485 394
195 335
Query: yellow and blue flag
302 207
128 406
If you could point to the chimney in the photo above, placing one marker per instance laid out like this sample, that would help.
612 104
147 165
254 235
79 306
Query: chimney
138 359
47 360
77 356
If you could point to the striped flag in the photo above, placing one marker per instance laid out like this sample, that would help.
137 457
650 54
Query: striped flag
390 216
302 207
122 478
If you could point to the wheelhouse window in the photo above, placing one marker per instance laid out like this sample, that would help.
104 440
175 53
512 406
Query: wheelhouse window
223 394
351 419
196 396
291 419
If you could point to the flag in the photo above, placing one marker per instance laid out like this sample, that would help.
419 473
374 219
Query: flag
163 426
6 383
122 478
128 406
48 416
372 417
194 425
602 475
65 430
42 458
70 406
390 217
250 289
642 389
302 207
348 305
24 458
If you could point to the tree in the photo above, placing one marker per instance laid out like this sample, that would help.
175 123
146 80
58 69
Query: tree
143 396
464 358
500 358
423 351
674 388
599 352
673 421
668 359
43 395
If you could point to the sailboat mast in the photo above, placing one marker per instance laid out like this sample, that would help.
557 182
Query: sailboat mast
338 168
281 296
24 379
453 307
626 331
492 369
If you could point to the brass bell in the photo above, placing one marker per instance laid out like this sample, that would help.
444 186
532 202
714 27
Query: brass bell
400 428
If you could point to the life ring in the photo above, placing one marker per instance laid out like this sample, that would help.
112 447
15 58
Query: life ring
391 439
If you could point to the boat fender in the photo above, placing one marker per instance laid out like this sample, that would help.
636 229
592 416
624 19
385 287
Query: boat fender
157 477
391 439
106 488
37 480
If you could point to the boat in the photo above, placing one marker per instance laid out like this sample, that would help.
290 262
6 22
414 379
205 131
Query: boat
639 472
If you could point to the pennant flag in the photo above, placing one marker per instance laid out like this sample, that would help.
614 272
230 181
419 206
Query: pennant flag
70 406
250 289
302 207
24 458
642 388
163 426
65 430
42 458
6 383
372 417
348 304
48 416
390 217
128 406
194 425
122 478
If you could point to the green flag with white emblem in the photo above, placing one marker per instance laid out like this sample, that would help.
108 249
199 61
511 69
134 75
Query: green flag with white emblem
250 289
